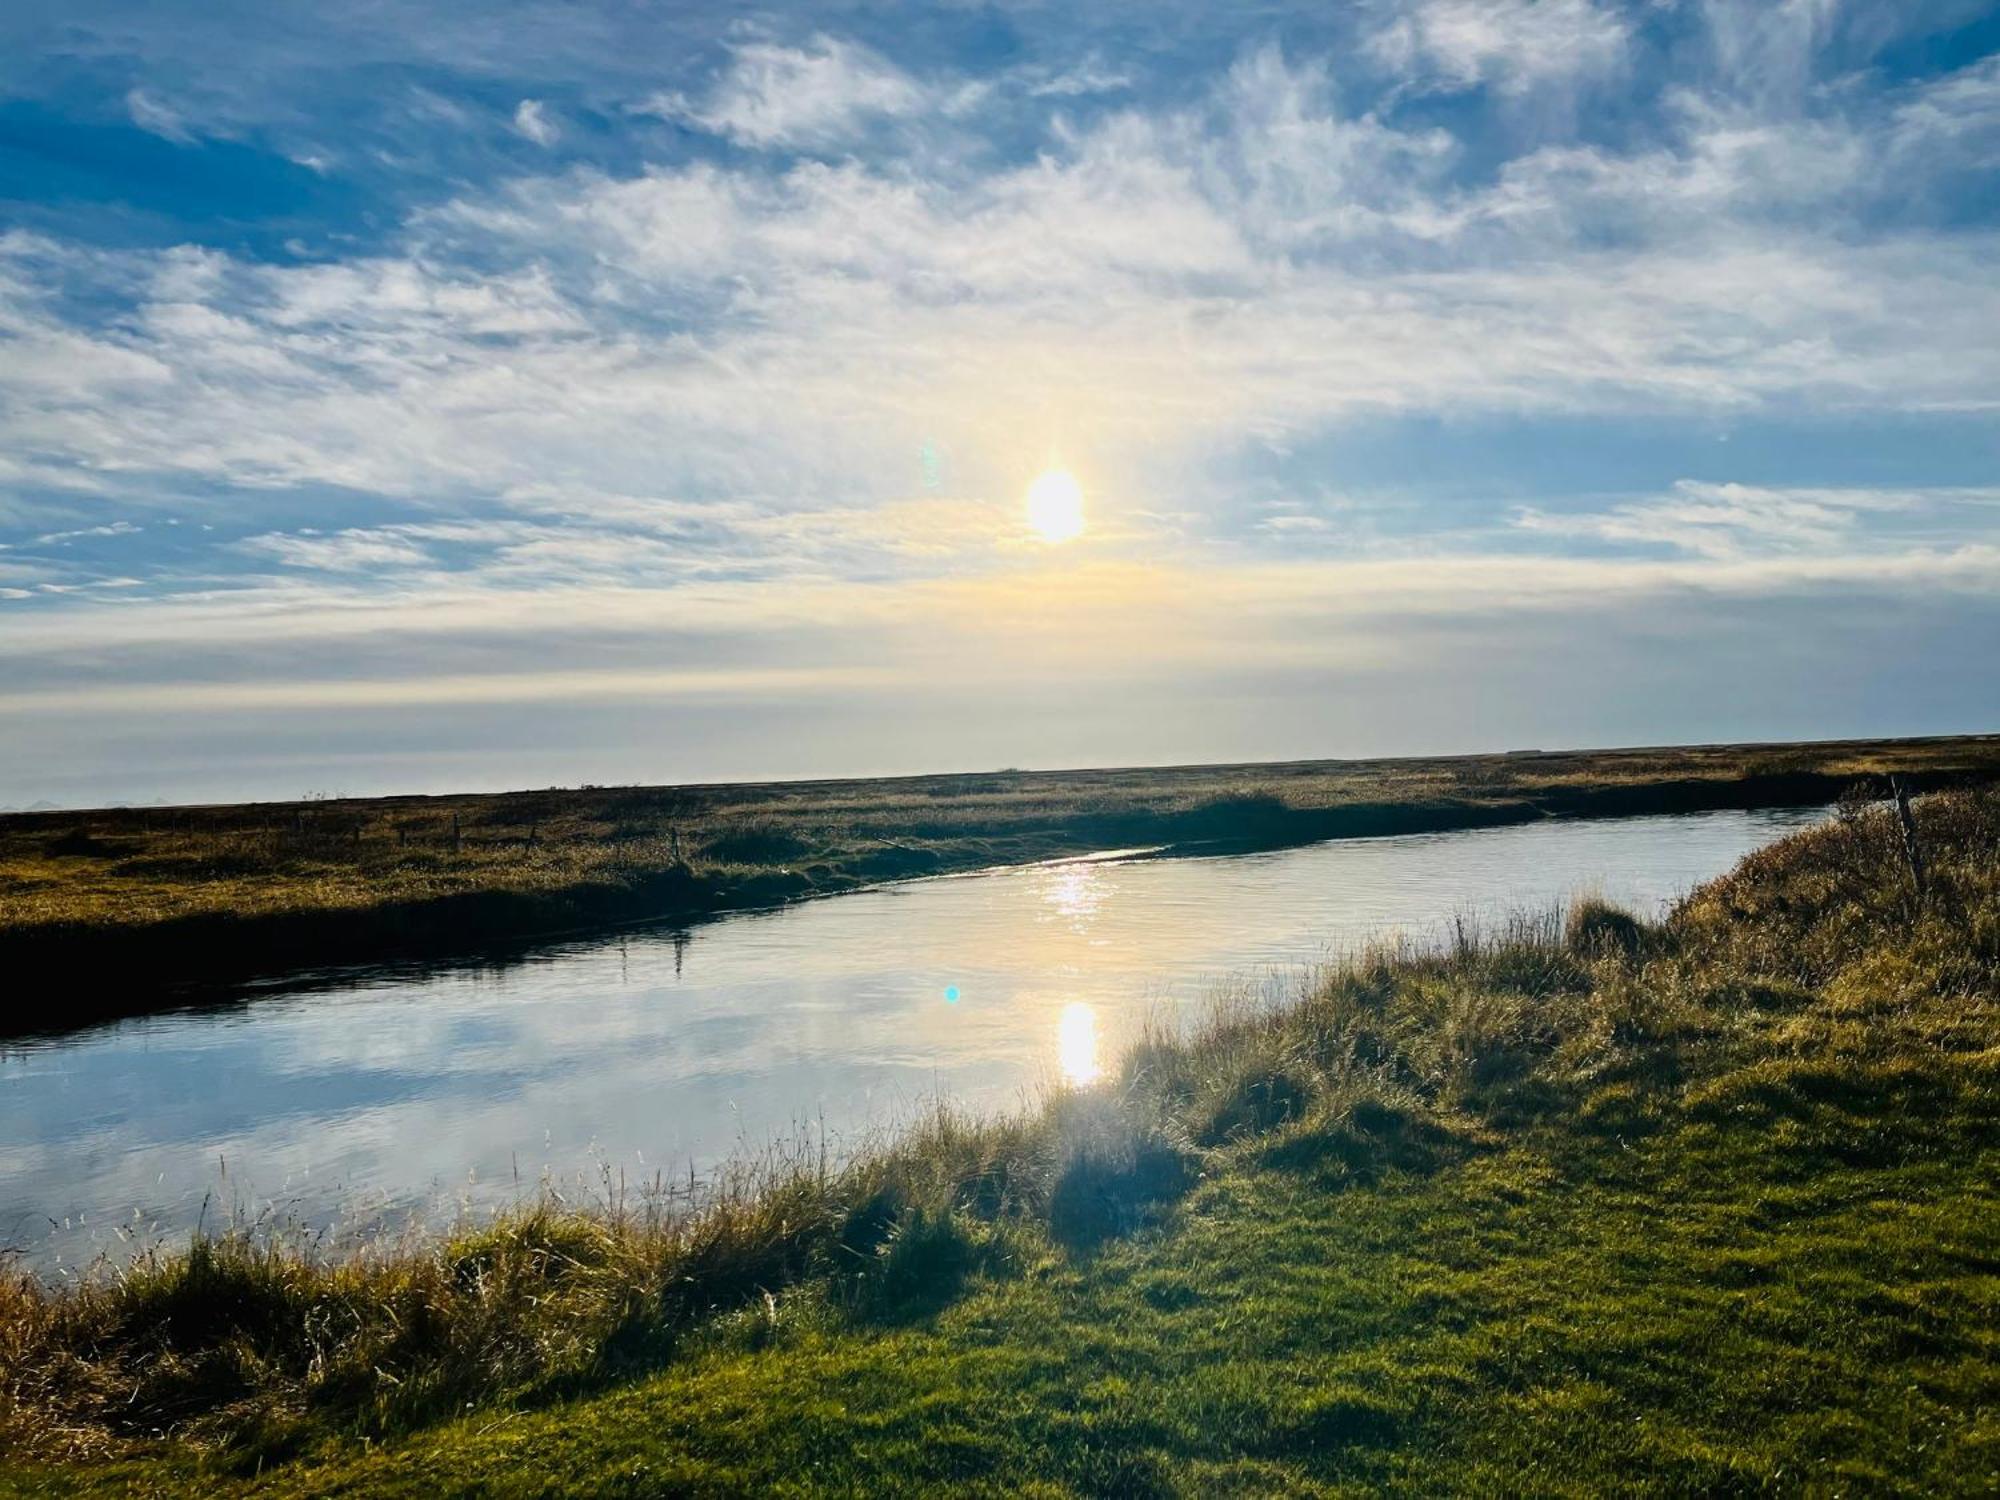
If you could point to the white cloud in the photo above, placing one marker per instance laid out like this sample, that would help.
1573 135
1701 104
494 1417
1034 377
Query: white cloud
1728 522
816 95
1156 287
1515 45
161 119
532 119
1763 51
113 528
1952 122
1080 82
352 551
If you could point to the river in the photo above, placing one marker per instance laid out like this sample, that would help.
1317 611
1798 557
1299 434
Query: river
364 1100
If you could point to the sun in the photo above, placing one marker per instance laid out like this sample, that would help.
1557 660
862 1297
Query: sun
1055 506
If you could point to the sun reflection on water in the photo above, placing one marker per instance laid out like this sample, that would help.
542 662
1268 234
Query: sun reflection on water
1074 894
1076 1044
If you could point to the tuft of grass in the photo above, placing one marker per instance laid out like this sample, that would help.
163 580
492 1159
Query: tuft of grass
1252 1098
1109 1187
923 1261
1597 929
1714 1210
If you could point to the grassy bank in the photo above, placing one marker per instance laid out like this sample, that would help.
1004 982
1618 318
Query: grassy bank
1578 1208
123 901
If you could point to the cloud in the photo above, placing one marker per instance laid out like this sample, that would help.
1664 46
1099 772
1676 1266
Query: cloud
556 686
1514 45
1087 620
345 552
1081 81
819 94
1728 522
113 528
1950 124
532 120
761 395
1161 286
150 114
1764 51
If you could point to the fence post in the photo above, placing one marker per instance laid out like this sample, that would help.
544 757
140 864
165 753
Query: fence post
1912 850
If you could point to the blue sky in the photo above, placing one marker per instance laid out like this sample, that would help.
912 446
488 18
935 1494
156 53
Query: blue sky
413 397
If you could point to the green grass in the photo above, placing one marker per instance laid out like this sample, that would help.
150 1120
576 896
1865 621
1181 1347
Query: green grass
1706 1207
138 896
1684 1313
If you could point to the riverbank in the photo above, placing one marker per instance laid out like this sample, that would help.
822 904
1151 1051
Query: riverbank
132 906
1604 1206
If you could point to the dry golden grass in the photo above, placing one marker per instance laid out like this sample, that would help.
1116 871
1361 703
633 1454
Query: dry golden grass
584 851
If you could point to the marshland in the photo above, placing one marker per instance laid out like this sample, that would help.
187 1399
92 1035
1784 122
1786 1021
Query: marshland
207 895
1699 1194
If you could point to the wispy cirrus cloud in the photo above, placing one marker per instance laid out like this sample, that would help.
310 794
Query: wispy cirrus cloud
353 551
111 528
1728 522
1514 45
815 94
158 117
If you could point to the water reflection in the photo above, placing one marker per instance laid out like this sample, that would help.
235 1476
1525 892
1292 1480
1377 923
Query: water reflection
405 1092
1076 1044
1074 893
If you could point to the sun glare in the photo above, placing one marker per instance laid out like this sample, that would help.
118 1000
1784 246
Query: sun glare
1076 1044
1055 506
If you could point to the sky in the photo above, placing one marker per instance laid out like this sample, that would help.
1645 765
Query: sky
402 397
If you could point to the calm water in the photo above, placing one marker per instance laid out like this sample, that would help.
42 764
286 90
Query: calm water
425 1092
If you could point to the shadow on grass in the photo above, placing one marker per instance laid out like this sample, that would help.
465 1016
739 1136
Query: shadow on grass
1355 1147
920 1266
1107 1192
